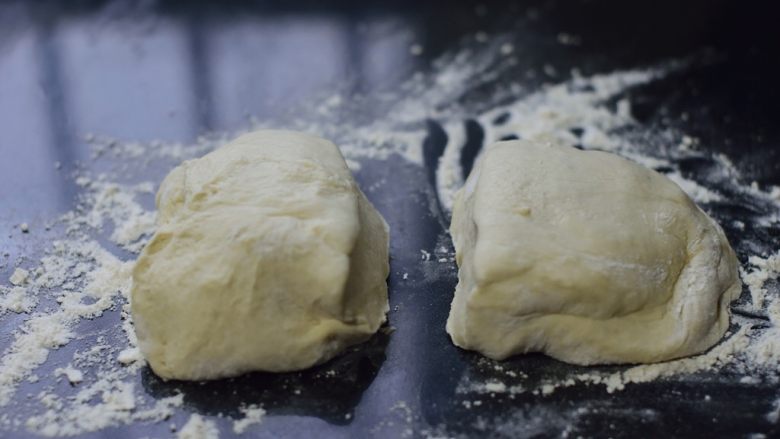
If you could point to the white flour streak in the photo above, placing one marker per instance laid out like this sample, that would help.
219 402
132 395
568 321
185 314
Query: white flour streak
762 270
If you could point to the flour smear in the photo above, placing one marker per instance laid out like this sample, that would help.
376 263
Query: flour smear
83 280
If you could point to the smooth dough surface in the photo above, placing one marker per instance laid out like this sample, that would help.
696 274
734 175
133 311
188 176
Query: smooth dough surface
267 257
587 257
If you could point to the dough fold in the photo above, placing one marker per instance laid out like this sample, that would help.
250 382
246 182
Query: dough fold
267 257
586 257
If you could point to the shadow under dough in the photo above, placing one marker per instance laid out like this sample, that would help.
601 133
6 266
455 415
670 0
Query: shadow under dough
330 391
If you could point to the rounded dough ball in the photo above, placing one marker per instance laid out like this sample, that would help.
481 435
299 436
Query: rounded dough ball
267 257
587 257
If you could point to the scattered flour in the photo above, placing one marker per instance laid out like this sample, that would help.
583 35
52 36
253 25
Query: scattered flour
721 354
115 203
80 279
198 428
694 190
107 402
495 387
16 299
73 375
129 356
763 269
19 277
574 113
253 415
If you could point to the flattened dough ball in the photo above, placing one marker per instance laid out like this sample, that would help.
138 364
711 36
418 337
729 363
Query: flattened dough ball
267 257
587 257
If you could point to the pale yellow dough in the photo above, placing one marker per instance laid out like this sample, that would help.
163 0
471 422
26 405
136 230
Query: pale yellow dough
587 257
267 258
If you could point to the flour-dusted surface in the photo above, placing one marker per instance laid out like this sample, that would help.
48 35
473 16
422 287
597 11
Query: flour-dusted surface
412 124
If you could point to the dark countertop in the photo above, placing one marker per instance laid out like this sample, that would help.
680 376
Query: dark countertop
174 70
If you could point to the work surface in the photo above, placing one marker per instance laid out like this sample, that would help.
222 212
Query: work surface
411 92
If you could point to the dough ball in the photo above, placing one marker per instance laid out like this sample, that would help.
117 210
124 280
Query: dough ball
587 257
267 257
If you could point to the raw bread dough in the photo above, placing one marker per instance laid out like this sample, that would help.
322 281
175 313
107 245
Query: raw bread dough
587 257
267 258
